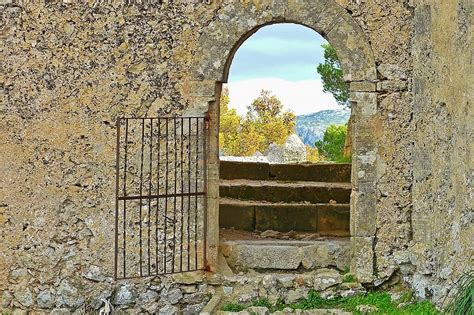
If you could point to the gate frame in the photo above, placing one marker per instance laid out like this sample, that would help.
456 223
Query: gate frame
215 51
121 195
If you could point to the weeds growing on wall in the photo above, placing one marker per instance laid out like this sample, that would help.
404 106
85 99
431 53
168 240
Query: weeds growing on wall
381 300
461 298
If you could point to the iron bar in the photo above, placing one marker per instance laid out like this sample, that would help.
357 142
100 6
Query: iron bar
117 184
157 192
166 199
138 197
150 178
125 202
189 193
196 198
182 198
141 193
175 192
184 149
204 166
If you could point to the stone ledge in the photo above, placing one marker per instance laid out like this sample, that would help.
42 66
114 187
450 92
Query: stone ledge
286 255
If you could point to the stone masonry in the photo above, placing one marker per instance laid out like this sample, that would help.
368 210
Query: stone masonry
69 70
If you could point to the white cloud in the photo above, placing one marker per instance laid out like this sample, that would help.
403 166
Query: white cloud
301 97
278 46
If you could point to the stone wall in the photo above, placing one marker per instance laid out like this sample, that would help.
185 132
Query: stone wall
69 70
443 163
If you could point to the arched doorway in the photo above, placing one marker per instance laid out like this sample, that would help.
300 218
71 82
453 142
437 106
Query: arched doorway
273 111
211 68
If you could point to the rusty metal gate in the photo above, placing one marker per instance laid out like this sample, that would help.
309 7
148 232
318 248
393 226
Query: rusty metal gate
160 215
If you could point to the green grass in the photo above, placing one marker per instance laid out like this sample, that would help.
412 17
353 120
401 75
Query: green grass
462 299
262 302
233 307
381 300
349 278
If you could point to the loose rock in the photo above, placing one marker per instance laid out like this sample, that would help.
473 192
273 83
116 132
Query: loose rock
325 278
124 295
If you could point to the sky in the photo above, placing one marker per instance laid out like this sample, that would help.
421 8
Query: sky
281 58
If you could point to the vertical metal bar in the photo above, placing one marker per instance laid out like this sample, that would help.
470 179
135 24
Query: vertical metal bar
157 193
141 195
196 198
189 196
117 183
166 197
150 177
125 201
182 198
175 192
204 166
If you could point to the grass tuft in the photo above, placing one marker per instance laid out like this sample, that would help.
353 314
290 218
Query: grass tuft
381 300
349 278
233 307
462 297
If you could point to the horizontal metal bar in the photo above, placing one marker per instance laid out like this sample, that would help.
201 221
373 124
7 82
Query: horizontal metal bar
161 196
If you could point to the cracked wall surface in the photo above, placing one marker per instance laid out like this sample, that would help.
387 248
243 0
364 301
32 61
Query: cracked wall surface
69 70
443 116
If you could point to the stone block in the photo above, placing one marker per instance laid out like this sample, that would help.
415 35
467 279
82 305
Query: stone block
310 8
296 295
333 218
339 173
362 263
392 85
257 310
239 216
366 104
244 170
324 254
363 86
326 278
363 210
392 71
264 257
287 217
355 55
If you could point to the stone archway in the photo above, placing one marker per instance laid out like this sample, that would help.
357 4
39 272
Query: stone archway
217 45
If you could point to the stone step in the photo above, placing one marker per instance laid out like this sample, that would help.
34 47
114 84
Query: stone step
325 219
335 173
286 192
286 255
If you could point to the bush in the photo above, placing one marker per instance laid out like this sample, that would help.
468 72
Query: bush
332 145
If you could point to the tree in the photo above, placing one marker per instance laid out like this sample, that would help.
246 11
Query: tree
332 76
268 119
333 82
229 126
332 145
265 123
312 154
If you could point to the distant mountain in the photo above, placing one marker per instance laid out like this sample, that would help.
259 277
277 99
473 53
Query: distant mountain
310 128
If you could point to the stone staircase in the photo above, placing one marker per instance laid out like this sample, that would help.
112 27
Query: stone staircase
296 197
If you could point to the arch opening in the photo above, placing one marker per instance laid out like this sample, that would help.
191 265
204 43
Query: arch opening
211 67
283 171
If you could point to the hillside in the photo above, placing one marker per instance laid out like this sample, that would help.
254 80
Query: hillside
311 127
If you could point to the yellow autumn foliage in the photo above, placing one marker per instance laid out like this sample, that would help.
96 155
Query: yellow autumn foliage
264 124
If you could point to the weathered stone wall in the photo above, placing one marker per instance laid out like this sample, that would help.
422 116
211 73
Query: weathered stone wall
69 70
443 216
